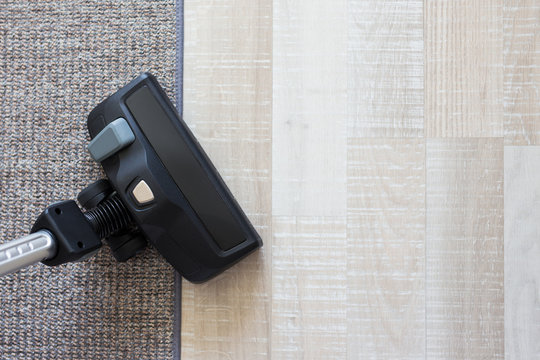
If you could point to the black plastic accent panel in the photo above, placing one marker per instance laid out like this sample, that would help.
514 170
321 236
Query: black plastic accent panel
94 193
169 142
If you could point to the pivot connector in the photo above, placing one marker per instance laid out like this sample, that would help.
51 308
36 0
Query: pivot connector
111 220
64 233
78 234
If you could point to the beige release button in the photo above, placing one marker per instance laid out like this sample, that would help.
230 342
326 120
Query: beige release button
142 193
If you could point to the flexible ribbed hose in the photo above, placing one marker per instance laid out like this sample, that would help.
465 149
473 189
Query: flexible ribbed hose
109 217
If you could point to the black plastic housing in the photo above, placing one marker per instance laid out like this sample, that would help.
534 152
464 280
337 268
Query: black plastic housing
75 237
197 226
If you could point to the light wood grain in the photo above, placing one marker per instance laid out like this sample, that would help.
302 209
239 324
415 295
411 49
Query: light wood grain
381 245
522 252
464 249
385 68
385 252
309 288
310 107
521 72
228 105
464 79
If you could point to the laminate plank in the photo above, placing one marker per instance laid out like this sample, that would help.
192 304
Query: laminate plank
522 252
464 249
309 288
385 68
310 107
464 68
386 248
228 105
521 72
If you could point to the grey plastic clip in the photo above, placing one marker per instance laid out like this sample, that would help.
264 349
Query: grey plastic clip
113 138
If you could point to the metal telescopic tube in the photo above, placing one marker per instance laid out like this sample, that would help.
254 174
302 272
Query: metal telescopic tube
25 251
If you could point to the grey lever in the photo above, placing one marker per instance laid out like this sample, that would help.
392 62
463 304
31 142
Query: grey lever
113 138
25 251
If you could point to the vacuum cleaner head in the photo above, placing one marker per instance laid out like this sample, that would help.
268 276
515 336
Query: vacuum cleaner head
166 182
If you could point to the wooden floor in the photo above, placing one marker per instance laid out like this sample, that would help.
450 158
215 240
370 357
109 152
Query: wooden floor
385 150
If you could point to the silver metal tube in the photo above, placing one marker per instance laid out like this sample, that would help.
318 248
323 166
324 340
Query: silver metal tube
25 251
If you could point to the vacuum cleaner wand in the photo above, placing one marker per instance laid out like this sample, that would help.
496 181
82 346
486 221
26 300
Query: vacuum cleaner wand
25 251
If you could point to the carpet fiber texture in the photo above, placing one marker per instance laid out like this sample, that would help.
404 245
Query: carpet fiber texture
58 60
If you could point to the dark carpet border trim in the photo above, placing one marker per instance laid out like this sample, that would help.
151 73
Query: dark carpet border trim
177 321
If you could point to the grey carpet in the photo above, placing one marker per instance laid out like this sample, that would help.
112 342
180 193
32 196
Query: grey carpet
58 59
